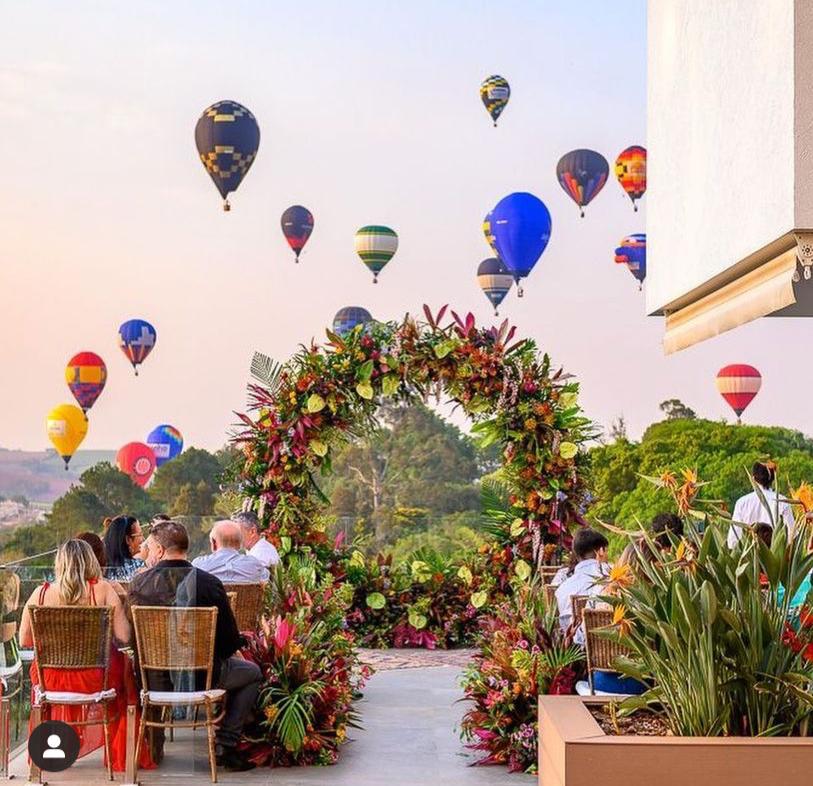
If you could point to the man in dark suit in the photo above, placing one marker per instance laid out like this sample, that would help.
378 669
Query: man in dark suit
171 580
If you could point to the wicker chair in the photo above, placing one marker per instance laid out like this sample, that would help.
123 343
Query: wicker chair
69 638
178 640
548 572
577 605
247 605
550 595
600 652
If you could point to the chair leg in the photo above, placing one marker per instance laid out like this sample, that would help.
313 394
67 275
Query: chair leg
142 730
34 773
5 732
210 734
108 753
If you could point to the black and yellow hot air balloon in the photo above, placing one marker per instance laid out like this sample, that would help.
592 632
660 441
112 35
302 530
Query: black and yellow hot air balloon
227 137
494 93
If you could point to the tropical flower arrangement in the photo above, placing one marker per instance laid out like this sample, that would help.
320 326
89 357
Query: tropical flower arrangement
324 395
427 601
715 631
310 670
522 654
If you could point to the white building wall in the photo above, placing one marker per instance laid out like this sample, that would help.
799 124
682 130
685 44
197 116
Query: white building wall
720 137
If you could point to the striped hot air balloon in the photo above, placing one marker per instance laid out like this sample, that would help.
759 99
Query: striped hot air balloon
495 280
738 384
376 245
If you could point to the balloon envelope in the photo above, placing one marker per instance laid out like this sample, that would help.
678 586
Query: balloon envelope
738 384
348 317
582 174
166 442
66 426
521 226
136 339
227 137
632 253
86 375
630 169
138 461
495 280
376 245
489 235
495 93
297 225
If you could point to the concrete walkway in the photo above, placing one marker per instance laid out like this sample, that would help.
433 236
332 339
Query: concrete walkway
410 718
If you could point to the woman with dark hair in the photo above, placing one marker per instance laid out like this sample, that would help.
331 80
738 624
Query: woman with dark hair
122 544
763 504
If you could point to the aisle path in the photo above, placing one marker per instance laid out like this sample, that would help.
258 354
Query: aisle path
410 713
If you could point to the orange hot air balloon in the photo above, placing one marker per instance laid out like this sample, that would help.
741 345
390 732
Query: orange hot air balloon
630 169
738 384
138 461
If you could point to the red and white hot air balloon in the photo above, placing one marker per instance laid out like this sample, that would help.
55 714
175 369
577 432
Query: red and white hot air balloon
738 384
138 461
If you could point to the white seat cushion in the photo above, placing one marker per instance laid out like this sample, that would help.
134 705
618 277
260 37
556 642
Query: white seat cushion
170 697
10 671
27 656
68 697
583 689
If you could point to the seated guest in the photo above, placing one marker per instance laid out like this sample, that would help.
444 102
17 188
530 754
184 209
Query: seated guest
753 508
254 542
79 583
590 549
122 544
97 545
666 528
226 562
173 581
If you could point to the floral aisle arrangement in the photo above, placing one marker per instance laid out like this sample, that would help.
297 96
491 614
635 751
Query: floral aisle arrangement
328 394
721 634
310 670
522 654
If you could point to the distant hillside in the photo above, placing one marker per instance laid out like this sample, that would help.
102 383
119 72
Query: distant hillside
40 475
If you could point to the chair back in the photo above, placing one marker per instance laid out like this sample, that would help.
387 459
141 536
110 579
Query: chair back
72 637
600 652
169 638
550 595
577 604
247 605
547 572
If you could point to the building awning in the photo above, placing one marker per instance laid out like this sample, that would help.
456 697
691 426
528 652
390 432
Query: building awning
758 286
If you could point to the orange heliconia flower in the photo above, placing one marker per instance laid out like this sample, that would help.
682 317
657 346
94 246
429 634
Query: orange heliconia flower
621 621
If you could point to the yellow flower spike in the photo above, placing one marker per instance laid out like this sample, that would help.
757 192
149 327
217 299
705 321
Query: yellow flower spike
804 495
620 576
621 621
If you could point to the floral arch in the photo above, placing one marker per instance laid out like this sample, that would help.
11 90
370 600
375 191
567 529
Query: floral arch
324 395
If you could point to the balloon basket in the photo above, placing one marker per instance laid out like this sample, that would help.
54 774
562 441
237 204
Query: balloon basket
226 206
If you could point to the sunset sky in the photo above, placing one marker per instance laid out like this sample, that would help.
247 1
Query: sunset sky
369 113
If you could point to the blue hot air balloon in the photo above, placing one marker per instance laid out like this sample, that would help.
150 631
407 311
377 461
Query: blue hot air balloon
632 253
521 226
495 280
348 317
227 137
136 339
297 225
166 442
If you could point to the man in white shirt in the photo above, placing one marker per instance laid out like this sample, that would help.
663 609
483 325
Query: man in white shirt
590 548
750 509
226 562
253 541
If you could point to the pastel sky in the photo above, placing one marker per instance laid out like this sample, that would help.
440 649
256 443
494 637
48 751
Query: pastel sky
369 113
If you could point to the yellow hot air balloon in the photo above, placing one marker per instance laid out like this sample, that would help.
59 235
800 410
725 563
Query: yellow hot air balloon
66 426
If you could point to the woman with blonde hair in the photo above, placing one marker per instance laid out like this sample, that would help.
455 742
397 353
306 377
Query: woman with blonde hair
78 582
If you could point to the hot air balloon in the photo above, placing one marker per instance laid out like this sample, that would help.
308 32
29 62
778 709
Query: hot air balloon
487 231
297 225
227 136
66 426
348 317
495 280
582 174
738 384
376 245
630 169
136 339
521 226
166 442
632 253
494 93
86 374
138 461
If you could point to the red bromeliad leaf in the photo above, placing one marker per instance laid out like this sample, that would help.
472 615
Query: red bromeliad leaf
428 312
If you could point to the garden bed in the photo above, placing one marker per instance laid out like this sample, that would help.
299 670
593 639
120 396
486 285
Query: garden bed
573 750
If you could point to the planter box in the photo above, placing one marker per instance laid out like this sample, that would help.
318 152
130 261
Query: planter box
574 751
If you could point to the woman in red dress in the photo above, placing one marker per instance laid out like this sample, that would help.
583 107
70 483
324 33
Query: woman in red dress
78 583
